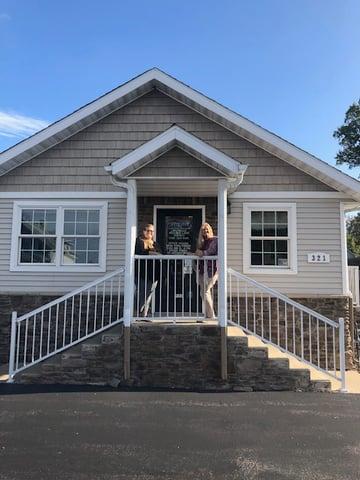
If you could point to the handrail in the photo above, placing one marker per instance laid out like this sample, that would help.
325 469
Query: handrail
283 298
290 326
65 321
71 294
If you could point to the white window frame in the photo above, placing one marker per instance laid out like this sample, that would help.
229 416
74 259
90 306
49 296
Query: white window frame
292 236
60 206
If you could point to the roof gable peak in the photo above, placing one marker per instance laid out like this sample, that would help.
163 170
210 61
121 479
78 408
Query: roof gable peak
162 143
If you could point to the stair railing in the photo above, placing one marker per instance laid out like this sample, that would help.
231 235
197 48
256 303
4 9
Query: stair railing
293 328
66 321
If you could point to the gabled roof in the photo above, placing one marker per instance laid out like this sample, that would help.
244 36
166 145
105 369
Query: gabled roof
176 137
128 92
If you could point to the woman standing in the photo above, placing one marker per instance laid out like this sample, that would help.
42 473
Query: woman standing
145 270
208 275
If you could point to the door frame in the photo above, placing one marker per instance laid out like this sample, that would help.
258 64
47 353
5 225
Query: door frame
173 207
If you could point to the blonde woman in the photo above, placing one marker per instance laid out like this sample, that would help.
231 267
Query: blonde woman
207 246
144 273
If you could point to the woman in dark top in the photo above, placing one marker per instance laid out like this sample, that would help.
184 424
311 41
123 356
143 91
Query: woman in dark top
145 270
208 275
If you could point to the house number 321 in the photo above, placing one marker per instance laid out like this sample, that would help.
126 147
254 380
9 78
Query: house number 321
318 257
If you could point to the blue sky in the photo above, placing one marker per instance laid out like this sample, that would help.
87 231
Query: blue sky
292 66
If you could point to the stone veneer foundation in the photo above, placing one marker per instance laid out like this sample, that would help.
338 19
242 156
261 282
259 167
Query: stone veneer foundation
170 357
331 307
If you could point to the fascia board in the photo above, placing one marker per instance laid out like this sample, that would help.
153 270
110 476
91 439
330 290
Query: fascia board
77 116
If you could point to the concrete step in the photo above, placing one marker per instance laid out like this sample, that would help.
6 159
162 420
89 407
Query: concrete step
276 354
4 376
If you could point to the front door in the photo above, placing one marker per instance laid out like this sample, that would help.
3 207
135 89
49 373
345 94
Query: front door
177 230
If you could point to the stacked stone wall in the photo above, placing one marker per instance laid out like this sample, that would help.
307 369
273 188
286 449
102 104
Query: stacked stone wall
170 356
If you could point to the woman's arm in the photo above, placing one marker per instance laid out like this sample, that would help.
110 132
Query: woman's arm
139 247
213 248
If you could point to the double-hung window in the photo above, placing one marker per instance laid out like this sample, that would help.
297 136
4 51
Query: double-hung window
53 236
269 243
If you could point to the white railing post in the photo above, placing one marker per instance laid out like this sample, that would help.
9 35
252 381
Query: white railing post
342 354
12 347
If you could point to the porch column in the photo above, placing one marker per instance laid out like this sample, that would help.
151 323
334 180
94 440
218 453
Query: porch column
222 280
131 222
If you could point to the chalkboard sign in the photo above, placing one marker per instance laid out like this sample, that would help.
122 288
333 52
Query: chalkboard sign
178 232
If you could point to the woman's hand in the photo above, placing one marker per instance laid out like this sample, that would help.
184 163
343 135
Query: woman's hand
199 253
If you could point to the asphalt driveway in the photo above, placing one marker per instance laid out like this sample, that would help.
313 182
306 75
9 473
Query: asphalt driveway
176 435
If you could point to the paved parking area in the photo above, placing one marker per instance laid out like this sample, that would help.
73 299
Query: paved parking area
175 435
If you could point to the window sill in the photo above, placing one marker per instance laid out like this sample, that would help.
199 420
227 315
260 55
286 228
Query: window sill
55 269
270 271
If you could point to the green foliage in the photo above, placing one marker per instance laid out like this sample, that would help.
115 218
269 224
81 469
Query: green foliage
353 234
348 136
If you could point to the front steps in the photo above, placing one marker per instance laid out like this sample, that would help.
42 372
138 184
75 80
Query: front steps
177 356
318 379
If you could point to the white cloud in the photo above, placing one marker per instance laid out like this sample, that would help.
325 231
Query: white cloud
14 125
4 17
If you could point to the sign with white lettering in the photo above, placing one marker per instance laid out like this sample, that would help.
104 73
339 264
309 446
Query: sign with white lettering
318 257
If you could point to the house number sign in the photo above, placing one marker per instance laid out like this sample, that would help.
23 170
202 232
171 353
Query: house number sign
318 257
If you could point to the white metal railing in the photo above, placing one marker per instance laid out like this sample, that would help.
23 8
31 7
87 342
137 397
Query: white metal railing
170 287
290 326
68 320
353 275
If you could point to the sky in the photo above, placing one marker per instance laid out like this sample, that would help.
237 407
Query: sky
291 66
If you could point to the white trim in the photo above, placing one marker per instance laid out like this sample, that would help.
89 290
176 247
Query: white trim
249 130
77 116
167 139
292 235
344 262
177 178
65 195
283 194
131 228
58 267
222 252
174 207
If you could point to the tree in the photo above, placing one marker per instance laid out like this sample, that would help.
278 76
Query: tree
348 136
353 234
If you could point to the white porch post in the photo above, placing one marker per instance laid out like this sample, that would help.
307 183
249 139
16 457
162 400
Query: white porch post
131 219
131 222
222 280
222 251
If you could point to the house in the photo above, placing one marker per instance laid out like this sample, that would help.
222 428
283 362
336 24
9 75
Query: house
74 195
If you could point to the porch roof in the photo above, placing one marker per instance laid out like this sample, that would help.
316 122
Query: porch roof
176 137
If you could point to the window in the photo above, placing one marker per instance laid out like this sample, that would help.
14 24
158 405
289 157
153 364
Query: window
269 238
38 236
82 247
59 237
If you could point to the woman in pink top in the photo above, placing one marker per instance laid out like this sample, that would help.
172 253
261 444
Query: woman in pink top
208 275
